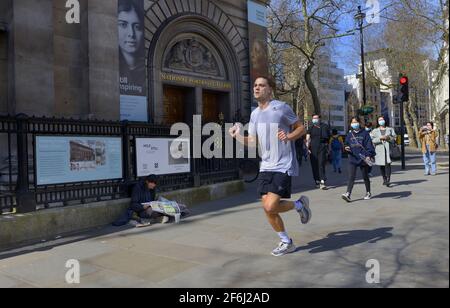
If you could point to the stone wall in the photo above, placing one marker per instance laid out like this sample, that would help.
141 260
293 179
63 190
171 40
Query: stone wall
5 19
32 31
57 69
71 62
3 72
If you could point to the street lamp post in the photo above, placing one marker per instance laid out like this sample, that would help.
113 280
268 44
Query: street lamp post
359 17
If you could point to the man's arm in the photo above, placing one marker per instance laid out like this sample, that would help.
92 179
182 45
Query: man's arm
298 131
250 141
308 141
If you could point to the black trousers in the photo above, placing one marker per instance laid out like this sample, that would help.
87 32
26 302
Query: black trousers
386 172
352 176
319 163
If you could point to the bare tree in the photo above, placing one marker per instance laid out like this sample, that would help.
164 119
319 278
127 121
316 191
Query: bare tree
305 25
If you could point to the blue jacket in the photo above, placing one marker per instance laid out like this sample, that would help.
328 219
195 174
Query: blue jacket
360 143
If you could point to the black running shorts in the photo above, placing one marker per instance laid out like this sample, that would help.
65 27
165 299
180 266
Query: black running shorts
274 182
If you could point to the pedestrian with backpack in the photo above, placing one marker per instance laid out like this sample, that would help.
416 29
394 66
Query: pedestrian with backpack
337 146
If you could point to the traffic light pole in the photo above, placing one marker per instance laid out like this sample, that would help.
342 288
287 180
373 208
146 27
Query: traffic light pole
402 131
404 92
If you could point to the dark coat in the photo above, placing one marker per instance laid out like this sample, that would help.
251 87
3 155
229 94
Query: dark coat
360 143
141 194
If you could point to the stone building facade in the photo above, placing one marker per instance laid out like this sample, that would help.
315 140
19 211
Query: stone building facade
51 68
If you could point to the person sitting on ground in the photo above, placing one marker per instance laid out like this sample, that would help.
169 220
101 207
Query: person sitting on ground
145 192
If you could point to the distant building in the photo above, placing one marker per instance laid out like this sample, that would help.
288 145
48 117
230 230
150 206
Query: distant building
440 84
375 98
381 97
330 83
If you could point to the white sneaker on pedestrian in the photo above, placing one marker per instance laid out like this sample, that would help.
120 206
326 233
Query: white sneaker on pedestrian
323 186
165 220
143 223
284 249
368 196
346 197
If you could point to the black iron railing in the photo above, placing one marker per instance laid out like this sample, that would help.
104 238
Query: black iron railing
19 189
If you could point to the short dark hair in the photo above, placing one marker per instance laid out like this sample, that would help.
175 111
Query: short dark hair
317 115
369 124
270 81
151 178
334 131
355 118
430 122
127 6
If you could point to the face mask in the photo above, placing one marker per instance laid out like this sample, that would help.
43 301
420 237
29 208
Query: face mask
356 126
382 123
315 122
368 129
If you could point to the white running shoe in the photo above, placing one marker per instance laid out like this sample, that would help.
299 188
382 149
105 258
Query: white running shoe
305 212
284 249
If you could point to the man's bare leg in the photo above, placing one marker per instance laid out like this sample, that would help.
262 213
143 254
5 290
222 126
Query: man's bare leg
273 206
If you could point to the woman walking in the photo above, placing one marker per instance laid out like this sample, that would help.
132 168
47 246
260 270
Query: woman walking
361 153
383 139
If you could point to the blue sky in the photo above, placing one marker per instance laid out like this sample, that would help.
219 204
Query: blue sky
347 51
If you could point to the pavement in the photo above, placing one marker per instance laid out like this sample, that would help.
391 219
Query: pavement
227 243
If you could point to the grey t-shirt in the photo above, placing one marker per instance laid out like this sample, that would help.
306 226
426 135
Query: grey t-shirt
276 155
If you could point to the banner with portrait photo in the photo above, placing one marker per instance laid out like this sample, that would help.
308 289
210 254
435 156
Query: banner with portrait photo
62 160
257 32
162 156
132 72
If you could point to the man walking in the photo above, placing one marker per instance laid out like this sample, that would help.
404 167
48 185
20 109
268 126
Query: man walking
275 127
317 141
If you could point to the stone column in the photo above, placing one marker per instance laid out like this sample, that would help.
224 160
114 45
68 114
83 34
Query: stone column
103 54
71 92
33 57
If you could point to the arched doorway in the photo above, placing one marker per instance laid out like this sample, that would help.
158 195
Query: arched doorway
193 69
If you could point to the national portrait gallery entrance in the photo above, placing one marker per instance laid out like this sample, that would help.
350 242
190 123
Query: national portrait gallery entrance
197 73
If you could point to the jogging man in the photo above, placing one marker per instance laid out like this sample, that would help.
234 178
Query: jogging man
275 127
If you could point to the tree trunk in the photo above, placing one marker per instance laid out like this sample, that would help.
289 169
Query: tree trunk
409 127
312 88
300 105
415 120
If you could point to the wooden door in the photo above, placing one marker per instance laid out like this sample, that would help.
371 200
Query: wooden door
210 107
173 105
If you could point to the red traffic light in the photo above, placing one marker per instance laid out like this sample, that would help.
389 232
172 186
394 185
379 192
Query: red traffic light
404 80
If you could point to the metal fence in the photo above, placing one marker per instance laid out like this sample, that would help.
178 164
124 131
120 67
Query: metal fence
19 189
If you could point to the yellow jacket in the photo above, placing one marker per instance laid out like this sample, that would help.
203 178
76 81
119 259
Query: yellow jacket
428 139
